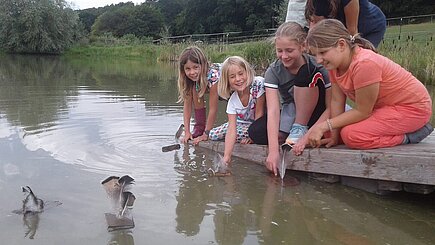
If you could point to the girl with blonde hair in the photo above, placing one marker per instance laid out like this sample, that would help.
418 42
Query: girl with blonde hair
297 95
246 101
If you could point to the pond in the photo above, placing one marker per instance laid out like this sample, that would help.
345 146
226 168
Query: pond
65 125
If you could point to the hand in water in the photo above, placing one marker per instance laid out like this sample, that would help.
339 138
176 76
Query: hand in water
220 166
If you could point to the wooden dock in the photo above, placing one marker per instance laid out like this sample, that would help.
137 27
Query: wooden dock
406 167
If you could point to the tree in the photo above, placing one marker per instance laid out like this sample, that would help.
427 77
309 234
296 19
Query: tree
141 21
44 26
88 16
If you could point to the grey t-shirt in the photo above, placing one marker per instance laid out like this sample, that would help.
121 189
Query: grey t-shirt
278 77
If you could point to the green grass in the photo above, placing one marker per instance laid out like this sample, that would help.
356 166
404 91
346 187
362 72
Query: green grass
411 46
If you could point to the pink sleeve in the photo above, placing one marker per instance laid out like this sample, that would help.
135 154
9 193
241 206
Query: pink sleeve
365 73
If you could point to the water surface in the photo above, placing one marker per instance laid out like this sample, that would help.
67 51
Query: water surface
65 125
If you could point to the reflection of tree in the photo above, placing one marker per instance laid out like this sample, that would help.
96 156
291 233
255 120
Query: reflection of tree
50 80
155 82
37 90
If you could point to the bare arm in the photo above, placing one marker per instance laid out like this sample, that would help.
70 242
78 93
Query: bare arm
187 113
351 12
273 119
260 106
230 137
365 100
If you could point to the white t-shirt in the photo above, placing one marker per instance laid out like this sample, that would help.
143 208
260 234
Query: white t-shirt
296 12
246 114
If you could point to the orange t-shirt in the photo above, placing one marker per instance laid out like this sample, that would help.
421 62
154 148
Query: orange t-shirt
397 85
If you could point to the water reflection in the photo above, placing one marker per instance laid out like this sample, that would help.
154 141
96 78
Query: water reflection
67 124
124 237
31 223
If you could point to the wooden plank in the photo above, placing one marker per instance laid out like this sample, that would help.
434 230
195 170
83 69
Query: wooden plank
405 163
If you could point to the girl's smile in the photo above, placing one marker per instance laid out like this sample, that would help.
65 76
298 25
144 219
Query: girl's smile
337 57
290 53
238 78
326 57
192 70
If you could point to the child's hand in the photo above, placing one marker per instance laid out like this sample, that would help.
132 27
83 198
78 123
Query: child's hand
328 142
315 136
226 160
246 141
200 138
272 162
187 136
299 147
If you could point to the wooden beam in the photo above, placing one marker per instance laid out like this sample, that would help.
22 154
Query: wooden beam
405 163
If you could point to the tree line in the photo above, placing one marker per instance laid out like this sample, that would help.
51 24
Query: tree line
51 26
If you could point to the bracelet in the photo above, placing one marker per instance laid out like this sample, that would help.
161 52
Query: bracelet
329 124
207 132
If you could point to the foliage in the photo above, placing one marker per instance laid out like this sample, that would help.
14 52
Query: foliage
44 26
141 20
88 16
399 8
186 17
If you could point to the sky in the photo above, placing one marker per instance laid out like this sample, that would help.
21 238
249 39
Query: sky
84 4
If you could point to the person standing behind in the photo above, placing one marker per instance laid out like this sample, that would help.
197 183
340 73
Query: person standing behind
195 77
391 107
359 16
245 105
302 85
296 12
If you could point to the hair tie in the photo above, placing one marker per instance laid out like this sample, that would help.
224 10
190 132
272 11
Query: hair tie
352 38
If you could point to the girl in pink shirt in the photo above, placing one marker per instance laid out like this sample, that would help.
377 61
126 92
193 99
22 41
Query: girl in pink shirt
391 106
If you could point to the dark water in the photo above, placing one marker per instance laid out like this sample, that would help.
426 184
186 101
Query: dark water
65 125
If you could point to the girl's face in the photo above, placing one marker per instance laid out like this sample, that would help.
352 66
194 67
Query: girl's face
328 57
289 52
192 70
238 78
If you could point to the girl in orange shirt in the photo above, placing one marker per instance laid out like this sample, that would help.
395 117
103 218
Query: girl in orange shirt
391 107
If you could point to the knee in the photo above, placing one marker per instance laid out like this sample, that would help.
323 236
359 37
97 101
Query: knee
258 134
352 137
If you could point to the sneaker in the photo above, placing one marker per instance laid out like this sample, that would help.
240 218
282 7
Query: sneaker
297 131
420 134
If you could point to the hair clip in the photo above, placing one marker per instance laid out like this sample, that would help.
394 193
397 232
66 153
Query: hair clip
352 38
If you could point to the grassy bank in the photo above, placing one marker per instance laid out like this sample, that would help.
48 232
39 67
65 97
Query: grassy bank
411 46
